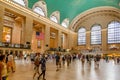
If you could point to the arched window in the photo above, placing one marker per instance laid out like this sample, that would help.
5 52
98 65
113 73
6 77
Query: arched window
40 8
96 34
53 18
39 11
65 23
21 2
114 32
82 36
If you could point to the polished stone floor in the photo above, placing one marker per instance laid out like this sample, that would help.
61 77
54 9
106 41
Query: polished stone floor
106 71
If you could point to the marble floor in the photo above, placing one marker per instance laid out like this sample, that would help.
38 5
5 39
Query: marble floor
106 71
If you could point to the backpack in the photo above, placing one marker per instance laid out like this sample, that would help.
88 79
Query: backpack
37 61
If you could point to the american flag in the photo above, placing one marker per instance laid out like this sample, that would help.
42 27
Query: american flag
40 35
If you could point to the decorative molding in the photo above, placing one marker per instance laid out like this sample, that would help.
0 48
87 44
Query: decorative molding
52 35
8 23
91 14
90 17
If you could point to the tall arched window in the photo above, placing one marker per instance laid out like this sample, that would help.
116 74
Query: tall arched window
40 8
96 34
21 2
53 18
65 23
114 32
39 11
82 36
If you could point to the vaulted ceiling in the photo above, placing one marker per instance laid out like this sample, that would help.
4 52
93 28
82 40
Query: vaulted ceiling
71 8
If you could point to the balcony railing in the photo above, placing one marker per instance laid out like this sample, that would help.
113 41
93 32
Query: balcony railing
18 46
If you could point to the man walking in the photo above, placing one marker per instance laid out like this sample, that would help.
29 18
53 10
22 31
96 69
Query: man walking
43 67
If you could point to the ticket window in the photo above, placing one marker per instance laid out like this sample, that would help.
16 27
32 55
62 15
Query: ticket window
7 34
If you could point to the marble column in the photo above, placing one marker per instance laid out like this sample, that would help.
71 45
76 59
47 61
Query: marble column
22 38
69 41
88 37
47 37
104 39
28 30
59 38
42 42
2 9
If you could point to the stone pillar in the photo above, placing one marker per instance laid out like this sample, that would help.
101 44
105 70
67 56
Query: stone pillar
28 29
22 37
47 37
88 39
71 40
64 41
59 38
68 41
104 39
2 9
42 42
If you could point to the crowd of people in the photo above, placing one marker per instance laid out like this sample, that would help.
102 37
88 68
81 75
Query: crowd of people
62 59
7 62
